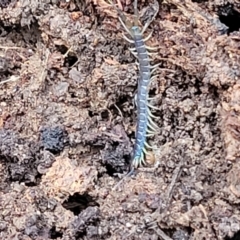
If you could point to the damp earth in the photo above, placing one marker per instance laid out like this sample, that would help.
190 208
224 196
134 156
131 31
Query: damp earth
68 119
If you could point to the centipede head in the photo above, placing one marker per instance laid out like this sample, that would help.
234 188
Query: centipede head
126 23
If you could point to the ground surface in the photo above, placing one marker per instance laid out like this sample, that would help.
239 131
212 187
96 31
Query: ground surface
67 122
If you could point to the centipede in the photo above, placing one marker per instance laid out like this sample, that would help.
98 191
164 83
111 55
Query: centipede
146 127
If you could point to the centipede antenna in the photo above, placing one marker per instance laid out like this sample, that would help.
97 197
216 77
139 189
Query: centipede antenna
124 25
122 18
120 14
156 8
145 27
136 13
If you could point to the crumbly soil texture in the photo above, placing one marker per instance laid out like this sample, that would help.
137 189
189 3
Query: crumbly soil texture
68 120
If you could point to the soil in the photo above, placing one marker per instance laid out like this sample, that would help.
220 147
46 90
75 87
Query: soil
67 122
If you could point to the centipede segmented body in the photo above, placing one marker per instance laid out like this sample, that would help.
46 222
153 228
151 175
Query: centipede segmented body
145 124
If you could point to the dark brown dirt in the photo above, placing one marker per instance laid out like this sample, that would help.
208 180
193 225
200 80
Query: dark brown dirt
67 122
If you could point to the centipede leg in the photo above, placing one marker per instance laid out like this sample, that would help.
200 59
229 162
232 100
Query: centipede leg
154 77
154 66
152 53
152 128
133 51
151 115
145 151
135 99
153 107
150 147
152 48
148 37
151 132
127 39
152 122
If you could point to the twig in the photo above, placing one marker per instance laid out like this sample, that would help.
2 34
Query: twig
42 77
11 79
5 47
168 194
175 177
162 234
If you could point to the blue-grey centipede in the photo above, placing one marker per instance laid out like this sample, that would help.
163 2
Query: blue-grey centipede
145 124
